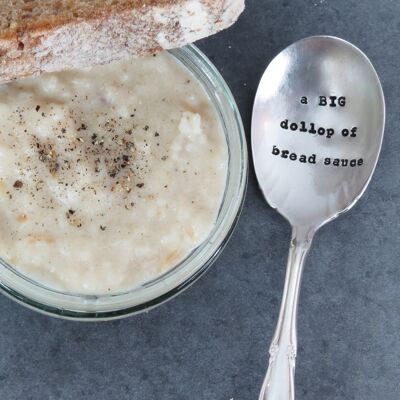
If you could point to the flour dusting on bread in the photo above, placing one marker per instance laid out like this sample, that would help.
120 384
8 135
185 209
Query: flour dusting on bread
38 37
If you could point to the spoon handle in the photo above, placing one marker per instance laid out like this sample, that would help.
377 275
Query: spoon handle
279 380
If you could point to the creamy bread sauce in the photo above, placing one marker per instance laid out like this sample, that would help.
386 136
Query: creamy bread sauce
108 176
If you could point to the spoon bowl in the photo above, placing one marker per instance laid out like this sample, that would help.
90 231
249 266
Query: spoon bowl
317 129
311 71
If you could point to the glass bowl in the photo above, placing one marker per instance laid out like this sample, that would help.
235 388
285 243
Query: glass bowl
143 297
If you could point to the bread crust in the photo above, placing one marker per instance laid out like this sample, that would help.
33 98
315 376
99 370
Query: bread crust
89 37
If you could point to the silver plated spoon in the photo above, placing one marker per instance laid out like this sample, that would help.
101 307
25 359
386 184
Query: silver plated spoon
317 129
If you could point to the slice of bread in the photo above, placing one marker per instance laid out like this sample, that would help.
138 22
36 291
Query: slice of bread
54 35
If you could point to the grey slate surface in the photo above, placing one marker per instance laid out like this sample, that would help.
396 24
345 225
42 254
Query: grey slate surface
211 342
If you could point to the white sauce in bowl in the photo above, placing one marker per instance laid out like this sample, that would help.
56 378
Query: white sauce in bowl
109 176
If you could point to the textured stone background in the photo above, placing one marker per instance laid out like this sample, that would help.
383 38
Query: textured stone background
211 342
